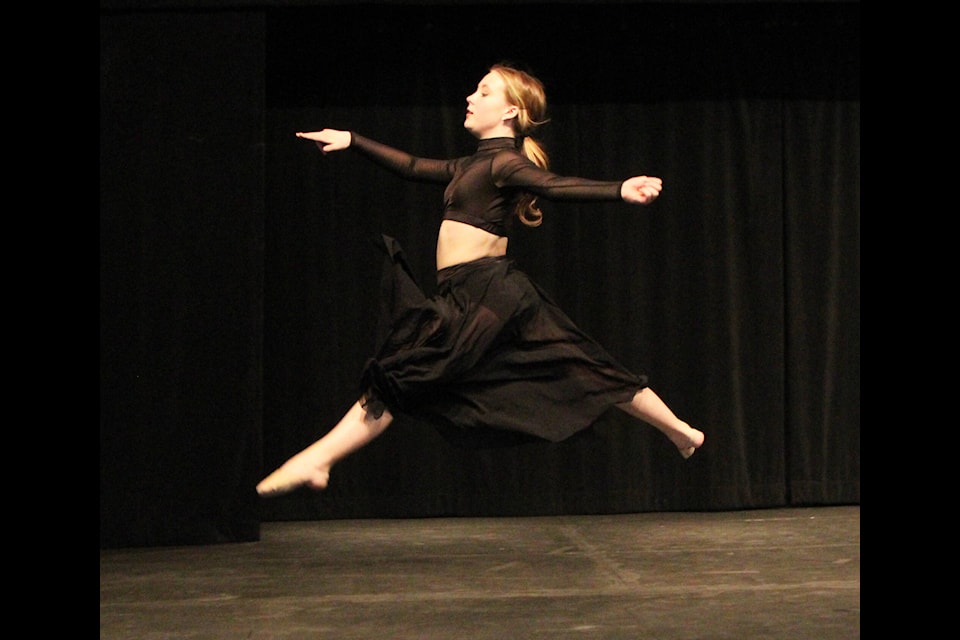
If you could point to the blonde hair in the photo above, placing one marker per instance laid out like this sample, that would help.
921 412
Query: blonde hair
526 92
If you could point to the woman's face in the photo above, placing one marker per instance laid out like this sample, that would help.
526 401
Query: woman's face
487 108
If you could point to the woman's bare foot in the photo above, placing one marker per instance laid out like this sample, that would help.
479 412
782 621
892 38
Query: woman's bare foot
687 441
292 475
311 467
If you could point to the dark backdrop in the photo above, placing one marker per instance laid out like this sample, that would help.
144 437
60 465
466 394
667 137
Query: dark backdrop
238 285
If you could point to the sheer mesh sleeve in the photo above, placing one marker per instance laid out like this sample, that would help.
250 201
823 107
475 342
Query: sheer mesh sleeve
402 163
511 169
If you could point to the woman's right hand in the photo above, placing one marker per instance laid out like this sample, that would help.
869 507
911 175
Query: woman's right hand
327 140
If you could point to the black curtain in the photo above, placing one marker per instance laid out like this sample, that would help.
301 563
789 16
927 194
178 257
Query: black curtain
238 283
738 291
181 276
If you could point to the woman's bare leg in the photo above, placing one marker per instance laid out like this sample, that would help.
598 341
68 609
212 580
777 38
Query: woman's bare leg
311 467
648 406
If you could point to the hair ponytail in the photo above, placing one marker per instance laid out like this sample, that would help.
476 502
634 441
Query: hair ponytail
526 92
527 209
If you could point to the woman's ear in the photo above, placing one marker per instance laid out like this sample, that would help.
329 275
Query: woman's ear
511 112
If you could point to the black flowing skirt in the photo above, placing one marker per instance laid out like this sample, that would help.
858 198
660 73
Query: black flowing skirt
490 359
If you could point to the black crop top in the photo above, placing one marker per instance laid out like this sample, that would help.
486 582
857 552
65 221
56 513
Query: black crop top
482 189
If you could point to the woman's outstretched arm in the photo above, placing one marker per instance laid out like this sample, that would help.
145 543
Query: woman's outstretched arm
397 161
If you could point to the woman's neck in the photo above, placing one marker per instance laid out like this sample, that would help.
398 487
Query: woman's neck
500 131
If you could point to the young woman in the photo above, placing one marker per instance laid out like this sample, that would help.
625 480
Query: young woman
489 359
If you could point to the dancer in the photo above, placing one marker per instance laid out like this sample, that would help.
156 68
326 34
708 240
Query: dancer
490 359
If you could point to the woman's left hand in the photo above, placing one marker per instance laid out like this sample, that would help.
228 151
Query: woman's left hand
641 189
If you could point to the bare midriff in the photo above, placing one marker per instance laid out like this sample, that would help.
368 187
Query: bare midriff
459 242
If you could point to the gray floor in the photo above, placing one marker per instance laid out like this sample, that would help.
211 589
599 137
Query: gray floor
745 575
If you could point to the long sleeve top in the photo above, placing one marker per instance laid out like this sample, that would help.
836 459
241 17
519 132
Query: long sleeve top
482 189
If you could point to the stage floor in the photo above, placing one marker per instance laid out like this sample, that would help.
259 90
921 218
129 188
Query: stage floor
743 575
